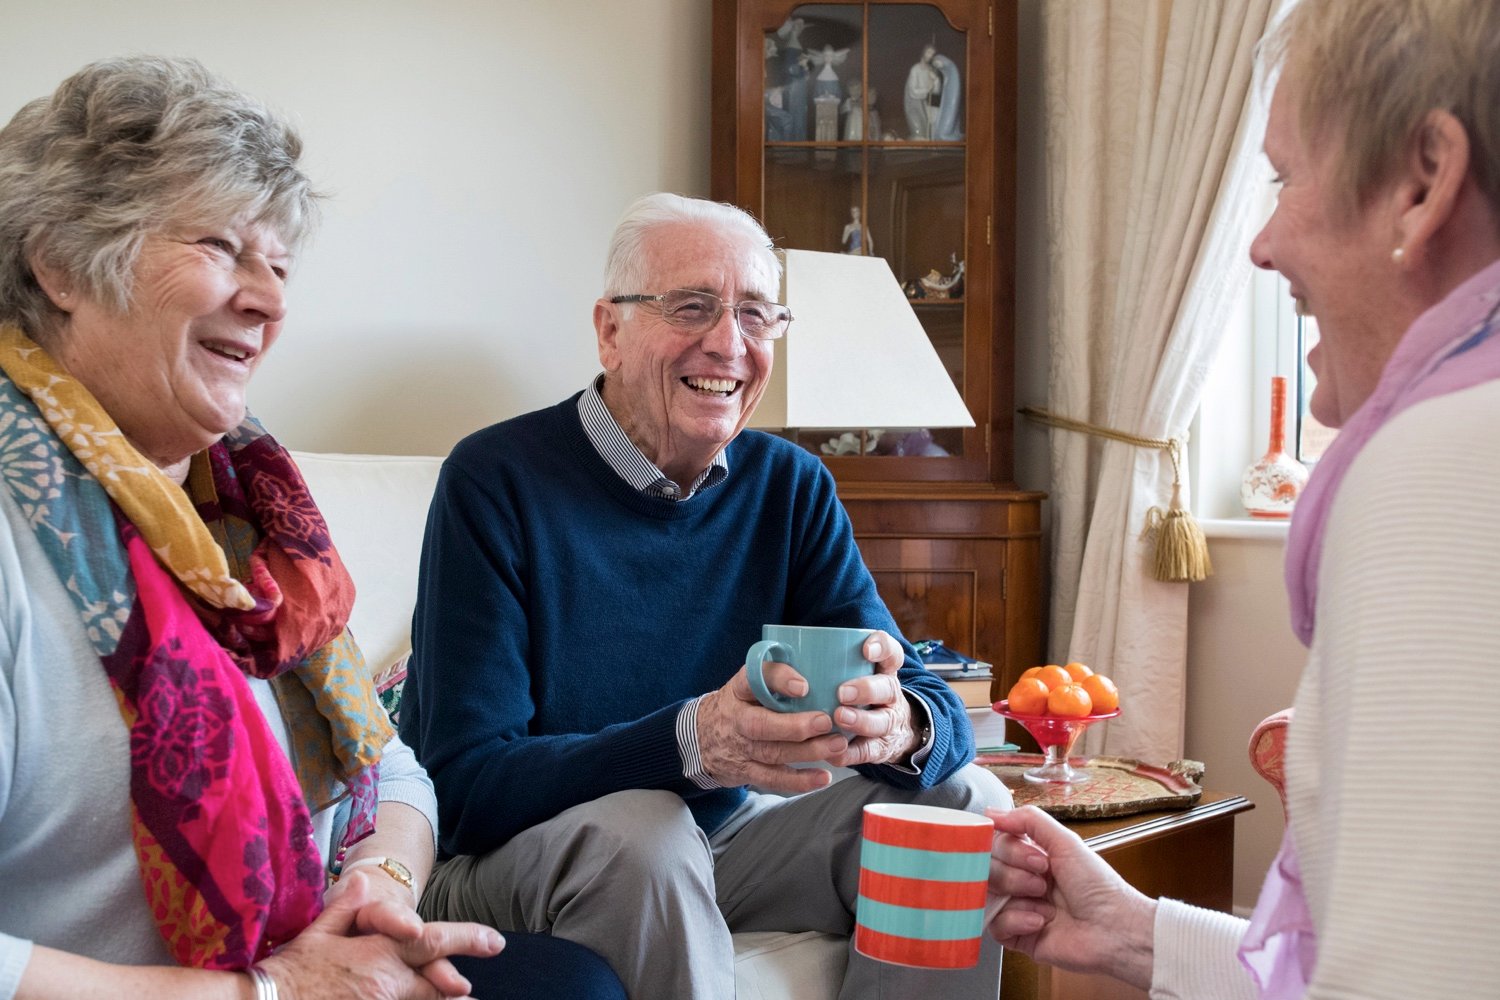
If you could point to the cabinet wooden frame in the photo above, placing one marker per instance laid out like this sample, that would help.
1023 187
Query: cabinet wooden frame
960 567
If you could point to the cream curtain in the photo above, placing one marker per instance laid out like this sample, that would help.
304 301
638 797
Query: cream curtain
1146 102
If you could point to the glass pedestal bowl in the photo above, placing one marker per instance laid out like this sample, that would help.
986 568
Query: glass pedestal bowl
1055 734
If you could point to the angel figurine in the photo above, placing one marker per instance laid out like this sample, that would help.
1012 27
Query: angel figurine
826 83
826 91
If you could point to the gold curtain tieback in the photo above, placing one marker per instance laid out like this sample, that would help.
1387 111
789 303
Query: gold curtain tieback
1181 553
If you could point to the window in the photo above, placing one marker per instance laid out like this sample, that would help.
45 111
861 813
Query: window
1287 338
1311 437
1232 429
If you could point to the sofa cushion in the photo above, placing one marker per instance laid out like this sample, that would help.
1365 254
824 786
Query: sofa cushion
777 965
376 509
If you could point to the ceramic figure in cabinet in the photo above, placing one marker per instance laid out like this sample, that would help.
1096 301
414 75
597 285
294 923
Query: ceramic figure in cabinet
922 83
859 101
827 84
949 125
856 238
794 75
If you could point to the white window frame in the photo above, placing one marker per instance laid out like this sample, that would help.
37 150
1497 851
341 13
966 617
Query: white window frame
1232 426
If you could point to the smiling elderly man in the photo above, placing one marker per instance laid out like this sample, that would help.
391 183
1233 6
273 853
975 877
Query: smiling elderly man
592 575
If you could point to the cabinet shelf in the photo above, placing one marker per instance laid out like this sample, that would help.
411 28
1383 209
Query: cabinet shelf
862 144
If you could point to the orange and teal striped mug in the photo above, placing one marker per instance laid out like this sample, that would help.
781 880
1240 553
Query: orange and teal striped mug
922 877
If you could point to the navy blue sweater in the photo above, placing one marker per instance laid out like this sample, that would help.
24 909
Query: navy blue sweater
563 619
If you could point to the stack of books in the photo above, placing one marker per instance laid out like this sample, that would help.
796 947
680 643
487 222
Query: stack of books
970 679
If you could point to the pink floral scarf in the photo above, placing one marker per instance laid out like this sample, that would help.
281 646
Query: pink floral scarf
1453 346
185 594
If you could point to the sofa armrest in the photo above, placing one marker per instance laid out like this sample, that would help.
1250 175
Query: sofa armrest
1268 751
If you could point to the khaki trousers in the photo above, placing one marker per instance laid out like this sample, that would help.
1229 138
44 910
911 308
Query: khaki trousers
631 876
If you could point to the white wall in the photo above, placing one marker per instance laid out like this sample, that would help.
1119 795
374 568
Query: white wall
477 155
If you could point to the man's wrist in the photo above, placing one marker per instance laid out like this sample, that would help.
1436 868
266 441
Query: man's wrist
689 748
921 726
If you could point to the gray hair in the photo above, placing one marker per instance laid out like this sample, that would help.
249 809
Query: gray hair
626 269
1365 73
126 147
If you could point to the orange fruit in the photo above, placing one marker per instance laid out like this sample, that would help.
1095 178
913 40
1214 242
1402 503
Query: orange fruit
1028 696
1070 701
1077 671
1030 672
1102 691
1053 676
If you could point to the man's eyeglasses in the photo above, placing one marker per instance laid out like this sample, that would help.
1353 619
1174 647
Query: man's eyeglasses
696 312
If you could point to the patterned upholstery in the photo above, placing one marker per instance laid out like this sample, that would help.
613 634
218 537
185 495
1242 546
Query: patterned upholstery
1268 751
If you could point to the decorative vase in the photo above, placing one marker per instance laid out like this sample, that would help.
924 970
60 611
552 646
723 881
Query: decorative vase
1271 486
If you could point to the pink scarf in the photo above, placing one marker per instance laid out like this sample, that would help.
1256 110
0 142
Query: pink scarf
1451 347
184 594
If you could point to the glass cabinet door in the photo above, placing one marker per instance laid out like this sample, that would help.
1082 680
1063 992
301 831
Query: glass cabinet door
873 131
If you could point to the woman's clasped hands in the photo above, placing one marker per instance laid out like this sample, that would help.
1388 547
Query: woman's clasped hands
369 943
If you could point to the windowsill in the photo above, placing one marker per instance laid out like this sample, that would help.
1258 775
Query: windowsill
1243 527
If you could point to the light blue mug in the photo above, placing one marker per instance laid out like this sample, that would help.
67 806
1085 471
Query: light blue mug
826 657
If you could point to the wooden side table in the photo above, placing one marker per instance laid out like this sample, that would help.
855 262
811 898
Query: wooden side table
1187 854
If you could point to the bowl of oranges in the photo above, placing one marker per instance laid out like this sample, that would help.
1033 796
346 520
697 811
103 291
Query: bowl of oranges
1055 704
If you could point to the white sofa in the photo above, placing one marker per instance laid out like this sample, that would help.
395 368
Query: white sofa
376 508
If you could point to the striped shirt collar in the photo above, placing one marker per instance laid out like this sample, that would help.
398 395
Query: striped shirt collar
629 463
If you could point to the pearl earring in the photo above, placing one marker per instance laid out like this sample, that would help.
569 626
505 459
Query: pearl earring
1398 255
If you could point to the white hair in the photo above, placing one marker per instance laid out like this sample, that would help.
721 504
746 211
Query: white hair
626 269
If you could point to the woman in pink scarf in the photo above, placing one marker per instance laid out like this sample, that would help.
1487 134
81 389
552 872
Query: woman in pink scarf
1385 137
200 794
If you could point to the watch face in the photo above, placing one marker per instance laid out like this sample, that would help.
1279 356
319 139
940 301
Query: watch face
397 871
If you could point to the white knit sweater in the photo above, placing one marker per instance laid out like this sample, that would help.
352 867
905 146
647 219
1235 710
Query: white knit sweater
1392 784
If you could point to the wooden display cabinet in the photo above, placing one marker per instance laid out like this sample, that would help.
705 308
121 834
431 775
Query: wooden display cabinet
883 127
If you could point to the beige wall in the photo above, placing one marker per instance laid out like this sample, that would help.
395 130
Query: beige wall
477 154
1243 664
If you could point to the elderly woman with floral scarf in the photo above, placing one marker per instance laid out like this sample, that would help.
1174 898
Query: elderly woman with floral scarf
190 747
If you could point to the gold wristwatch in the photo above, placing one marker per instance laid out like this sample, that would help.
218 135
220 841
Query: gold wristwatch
390 866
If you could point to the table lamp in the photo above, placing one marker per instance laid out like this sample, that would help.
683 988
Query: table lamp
856 356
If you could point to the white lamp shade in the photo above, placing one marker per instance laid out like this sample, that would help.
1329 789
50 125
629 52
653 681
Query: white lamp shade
856 355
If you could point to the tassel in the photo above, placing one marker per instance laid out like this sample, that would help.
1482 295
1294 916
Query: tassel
1181 550
1181 554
